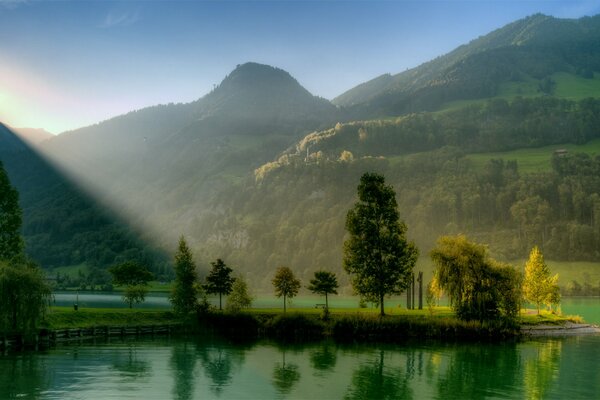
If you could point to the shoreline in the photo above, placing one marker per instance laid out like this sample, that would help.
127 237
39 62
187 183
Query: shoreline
568 329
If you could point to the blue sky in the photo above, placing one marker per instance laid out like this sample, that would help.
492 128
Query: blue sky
67 64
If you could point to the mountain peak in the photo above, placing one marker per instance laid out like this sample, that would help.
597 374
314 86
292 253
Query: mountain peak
256 91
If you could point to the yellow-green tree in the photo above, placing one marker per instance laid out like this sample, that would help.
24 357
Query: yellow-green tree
538 286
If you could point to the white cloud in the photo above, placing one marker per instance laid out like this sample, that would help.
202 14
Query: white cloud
12 4
120 19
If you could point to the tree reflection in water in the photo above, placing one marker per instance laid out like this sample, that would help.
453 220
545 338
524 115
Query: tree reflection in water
324 357
285 375
480 371
541 368
130 367
376 381
183 362
22 375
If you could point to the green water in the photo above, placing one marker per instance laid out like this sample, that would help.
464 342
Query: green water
211 369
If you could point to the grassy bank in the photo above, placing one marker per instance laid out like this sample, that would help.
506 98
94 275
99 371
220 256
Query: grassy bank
363 325
66 317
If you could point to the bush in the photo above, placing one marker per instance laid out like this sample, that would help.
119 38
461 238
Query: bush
295 327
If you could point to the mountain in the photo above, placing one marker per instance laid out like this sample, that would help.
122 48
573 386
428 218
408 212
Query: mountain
160 167
510 59
33 136
62 225
261 173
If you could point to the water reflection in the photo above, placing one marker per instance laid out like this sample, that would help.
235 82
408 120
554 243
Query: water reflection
374 380
480 371
183 363
323 358
219 363
130 366
23 375
285 375
210 368
541 368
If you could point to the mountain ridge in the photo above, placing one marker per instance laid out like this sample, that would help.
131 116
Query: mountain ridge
481 60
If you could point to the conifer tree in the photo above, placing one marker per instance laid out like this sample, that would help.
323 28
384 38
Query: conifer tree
183 296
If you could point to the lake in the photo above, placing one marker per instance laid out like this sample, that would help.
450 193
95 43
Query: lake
209 368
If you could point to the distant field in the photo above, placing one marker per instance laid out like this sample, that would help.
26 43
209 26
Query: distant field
568 86
534 159
580 271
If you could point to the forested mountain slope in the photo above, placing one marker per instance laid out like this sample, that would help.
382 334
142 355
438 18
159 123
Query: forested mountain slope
62 225
531 49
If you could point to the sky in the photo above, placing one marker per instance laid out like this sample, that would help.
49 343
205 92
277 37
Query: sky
67 64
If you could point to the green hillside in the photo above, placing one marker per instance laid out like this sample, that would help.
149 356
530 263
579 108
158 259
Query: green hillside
534 159
522 58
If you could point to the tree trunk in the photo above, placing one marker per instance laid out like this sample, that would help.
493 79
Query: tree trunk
284 303
220 306
326 302
382 312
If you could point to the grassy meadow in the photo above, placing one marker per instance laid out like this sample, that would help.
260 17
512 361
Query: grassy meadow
534 159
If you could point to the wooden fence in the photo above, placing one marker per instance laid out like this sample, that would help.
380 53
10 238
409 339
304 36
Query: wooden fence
46 338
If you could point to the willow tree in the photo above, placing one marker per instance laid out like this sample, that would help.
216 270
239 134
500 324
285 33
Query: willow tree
478 286
377 252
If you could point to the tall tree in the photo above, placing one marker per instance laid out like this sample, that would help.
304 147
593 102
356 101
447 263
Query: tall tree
324 283
285 284
11 242
538 286
377 253
219 280
135 277
183 294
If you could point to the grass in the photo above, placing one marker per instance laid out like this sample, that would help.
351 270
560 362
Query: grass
530 317
534 159
568 86
66 317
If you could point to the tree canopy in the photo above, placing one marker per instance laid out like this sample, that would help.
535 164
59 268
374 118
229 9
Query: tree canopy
240 296
184 292
11 242
324 283
219 280
285 284
377 252
478 287
538 286
135 277
24 296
